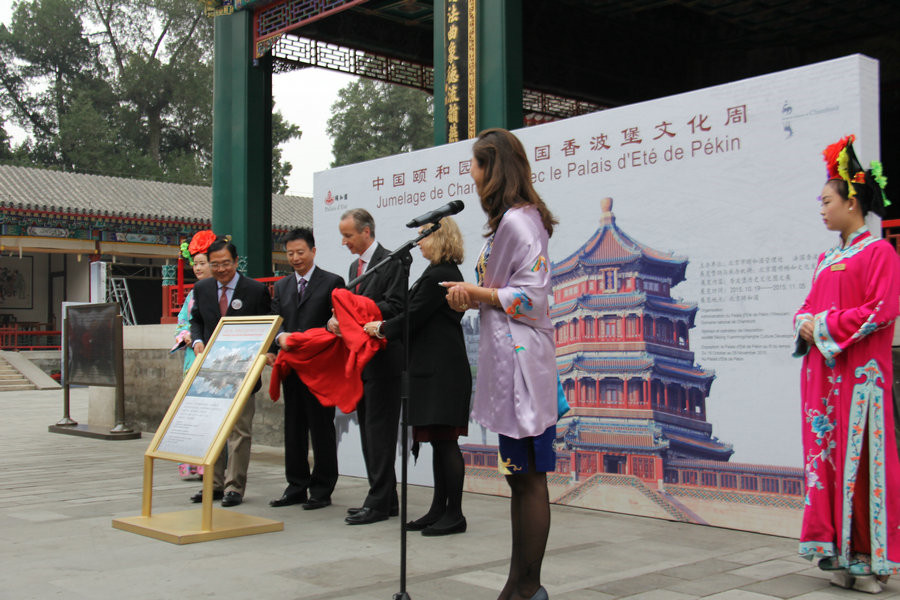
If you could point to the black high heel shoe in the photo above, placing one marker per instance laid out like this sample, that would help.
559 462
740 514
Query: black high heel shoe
541 594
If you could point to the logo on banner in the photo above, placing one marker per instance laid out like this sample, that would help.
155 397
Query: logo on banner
335 201
790 118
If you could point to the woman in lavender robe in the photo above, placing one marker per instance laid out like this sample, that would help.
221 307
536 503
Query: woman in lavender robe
515 391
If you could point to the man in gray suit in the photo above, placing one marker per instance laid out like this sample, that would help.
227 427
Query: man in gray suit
378 412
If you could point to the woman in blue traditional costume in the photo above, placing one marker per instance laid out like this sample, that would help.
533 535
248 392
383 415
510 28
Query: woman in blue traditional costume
195 253
516 386
843 331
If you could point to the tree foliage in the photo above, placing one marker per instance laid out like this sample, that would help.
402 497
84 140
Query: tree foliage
374 119
116 87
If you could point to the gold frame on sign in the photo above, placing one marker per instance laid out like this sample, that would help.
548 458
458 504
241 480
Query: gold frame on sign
182 527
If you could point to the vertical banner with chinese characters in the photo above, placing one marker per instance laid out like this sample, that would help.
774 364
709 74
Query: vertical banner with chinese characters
459 86
673 301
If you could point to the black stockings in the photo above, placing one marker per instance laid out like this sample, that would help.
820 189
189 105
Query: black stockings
449 474
530 516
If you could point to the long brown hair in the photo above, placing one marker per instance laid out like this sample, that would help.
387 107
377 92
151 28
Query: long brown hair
507 178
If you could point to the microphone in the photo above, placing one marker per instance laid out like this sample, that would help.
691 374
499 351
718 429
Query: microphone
451 208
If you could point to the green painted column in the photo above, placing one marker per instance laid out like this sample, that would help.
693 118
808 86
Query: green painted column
499 64
242 143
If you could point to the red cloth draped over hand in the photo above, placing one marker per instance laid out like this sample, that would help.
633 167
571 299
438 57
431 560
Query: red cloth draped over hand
331 366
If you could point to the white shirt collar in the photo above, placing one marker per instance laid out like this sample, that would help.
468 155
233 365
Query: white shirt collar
231 284
367 255
307 277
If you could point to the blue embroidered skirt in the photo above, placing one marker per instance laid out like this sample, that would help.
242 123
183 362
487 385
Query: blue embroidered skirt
514 453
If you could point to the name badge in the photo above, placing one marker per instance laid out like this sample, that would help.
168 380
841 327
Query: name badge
839 267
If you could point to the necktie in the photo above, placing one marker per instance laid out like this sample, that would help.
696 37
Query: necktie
359 271
223 301
301 287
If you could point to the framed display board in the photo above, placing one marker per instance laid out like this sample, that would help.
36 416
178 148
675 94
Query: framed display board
93 354
94 347
214 391
197 425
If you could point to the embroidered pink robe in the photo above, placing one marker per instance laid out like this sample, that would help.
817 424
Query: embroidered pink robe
848 421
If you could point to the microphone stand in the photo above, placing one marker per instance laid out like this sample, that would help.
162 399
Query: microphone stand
403 256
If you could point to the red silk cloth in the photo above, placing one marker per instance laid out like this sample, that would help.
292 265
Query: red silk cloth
331 366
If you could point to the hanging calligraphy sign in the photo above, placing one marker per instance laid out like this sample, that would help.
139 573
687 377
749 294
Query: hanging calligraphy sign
459 79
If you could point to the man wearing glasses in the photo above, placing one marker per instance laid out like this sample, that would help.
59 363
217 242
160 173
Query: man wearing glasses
228 294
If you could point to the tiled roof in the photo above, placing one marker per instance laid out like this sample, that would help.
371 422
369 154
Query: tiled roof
611 246
57 191
709 444
607 364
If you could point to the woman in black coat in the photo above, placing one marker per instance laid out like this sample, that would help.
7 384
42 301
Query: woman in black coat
440 377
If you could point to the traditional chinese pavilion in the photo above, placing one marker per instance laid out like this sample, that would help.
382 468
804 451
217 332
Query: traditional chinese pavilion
623 350
54 224
508 63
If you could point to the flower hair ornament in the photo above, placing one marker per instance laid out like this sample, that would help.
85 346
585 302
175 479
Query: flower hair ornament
866 186
199 244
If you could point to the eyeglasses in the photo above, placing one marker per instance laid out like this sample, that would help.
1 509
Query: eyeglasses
221 265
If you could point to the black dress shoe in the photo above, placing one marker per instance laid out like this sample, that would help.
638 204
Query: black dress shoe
286 500
314 503
232 499
198 497
365 516
395 510
441 529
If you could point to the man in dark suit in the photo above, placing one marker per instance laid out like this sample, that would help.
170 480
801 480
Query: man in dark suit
228 293
378 412
303 300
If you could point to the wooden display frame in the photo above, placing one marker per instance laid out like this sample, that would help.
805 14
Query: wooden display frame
244 341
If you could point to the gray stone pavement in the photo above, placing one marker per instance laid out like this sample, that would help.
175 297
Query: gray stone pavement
59 494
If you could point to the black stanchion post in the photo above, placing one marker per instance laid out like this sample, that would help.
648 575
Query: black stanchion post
405 260
402 254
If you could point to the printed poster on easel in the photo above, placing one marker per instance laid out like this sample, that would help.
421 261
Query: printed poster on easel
217 387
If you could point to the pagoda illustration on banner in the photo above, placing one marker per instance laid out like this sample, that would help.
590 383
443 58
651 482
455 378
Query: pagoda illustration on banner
636 439
624 358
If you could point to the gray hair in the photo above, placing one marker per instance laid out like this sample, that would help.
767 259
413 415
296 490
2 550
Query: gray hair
361 218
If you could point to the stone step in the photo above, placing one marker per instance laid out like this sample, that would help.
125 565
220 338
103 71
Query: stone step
6 387
11 380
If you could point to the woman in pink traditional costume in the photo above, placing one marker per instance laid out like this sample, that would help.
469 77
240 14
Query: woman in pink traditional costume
844 332
196 254
516 387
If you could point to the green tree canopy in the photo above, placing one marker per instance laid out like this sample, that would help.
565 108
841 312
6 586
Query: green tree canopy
374 119
116 87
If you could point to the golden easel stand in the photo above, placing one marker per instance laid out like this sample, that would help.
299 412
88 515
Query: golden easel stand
198 525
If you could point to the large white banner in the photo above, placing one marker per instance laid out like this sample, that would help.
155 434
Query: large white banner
726 177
